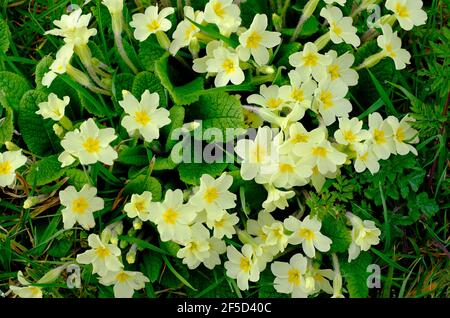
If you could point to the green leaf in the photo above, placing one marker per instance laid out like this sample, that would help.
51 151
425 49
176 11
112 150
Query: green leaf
338 232
13 87
181 95
177 119
6 125
123 81
164 164
147 80
143 183
218 110
149 53
190 173
36 132
60 248
45 171
250 8
77 178
427 205
415 179
4 36
134 156
356 274
152 263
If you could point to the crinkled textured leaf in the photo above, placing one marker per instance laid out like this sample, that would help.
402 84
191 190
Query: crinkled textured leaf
164 164
148 80
4 36
45 171
6 125
135 156
123 81
149 53
218 110
190 173
143 183
152 265
77 178
338 232
356 274
13 86
36 132
177 119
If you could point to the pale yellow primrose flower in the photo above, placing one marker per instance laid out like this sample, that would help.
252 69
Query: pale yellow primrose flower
364 234
307 233
242 266
341 28
403 135
330 101
103 257
185 31
275 235
54 107
172 217
27 291
225 14
150 22
80 206
10 161
225 63
145 116
125 282
366 158
73 28
59 65
89 144
322 278
272 97
258 154
290 277
200 64
311 61
290 173
340 2
350 131
256 41
224 226
381 139
324 156
302 87
213 196
276 199
391 45
139 206
340 68
408 13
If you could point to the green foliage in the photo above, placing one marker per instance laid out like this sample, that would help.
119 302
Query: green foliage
13 87
337 231
45 171
144 183
356 274
190 173
6 125
77 178
148 81
177 114
36 132
5 34
134 156
149 53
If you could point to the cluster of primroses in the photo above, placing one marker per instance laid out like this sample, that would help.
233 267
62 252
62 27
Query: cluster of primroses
198 219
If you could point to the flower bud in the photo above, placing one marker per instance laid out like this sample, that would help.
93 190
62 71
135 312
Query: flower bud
163 40
10 146
30 202
58 130
137 224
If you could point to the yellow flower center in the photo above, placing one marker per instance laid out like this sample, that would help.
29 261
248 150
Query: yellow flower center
349 136
5 167
274 102
140 205
102 252
286 167
310 59
327 99
298 95
401 10
254 40
228 66
319 152
80 205
336 29
400 135
142 118
188 32
218 10
379 137
122 277
153 26
170 216
307 234
315 171
333 69
364 156
298 138
259 154
211 194
245 264
219 223
91 145
390 50
294 276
